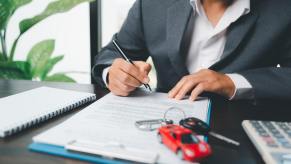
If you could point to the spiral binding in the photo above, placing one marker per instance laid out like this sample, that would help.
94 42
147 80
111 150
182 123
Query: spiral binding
45 116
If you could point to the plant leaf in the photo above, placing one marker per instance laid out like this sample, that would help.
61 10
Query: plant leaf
15 70
19 3
49 66
7 8
54 7
5 12
59 77
39 56
1 57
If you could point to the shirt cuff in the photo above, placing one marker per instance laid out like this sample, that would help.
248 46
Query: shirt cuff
104 75
243 88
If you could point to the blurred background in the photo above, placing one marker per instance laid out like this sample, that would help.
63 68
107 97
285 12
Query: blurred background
71 32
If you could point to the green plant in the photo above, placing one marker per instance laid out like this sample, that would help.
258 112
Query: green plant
39 61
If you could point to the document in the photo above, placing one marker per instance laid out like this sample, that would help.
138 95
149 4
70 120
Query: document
112 119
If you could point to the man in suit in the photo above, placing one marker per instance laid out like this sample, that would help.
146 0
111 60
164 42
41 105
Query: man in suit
227 47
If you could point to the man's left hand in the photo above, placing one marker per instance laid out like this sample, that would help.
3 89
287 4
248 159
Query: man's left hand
203 81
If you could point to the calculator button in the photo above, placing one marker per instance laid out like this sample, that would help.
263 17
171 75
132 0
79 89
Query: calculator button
281 158
278 136
287 145
287 156
261 130
268 139
264 134
274 131
288 132
284 127
271 127
256 124
268 124
282 141
272 144
253 122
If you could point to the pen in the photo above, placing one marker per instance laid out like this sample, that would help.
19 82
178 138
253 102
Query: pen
127 59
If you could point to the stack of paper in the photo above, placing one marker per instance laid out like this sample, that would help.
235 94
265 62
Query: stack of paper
112 119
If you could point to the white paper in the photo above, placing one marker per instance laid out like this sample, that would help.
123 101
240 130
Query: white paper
112 119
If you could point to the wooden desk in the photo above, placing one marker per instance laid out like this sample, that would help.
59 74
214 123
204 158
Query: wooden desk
226 118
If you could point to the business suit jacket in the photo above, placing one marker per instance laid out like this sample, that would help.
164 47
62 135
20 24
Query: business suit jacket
256 44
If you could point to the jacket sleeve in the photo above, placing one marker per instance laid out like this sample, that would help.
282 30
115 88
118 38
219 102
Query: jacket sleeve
131 39
273 82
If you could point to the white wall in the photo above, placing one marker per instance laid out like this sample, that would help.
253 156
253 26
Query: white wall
70 30
113 14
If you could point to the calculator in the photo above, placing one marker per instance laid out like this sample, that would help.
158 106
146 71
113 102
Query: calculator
271 139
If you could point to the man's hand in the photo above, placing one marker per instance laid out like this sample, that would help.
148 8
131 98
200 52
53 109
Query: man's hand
125 77
204 80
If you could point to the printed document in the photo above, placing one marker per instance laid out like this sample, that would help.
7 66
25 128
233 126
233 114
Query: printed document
112 119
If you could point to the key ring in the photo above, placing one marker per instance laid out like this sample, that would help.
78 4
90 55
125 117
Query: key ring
171 109
147 125
153 124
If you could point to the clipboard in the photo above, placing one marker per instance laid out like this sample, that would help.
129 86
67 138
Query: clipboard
61 151
98 152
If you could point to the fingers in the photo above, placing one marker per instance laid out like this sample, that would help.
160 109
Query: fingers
120 89
200 88
185 85
176 89
125 77
133 71
143 66
203 81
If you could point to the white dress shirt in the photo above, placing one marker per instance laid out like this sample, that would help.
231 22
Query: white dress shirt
208 42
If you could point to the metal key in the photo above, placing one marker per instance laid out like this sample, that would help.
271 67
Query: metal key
200 127
150 125
223 138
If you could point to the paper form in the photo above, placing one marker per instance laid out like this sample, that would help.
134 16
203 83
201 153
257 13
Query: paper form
112 119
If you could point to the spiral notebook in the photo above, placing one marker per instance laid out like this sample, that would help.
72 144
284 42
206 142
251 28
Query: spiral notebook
23 110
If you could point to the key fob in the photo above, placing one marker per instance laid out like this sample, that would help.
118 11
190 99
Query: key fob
196 125
169 122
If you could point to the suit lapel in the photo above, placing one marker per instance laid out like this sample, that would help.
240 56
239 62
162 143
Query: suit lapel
178 16
177 20
236 33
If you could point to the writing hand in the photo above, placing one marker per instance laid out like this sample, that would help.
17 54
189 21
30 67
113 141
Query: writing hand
125 77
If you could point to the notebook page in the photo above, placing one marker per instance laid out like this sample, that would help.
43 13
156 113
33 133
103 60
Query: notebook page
29 105
112 118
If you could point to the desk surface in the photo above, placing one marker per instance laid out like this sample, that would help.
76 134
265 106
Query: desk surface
226 118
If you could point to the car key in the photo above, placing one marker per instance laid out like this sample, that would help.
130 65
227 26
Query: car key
150 125
201 128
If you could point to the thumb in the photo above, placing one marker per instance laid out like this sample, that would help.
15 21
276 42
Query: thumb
143 66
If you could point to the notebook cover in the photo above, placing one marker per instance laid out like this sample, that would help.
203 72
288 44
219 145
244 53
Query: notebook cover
61 151
21 111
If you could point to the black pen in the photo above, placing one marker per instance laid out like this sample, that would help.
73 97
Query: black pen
127 59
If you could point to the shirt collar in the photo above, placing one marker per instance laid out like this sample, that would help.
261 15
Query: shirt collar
197 6
239 5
